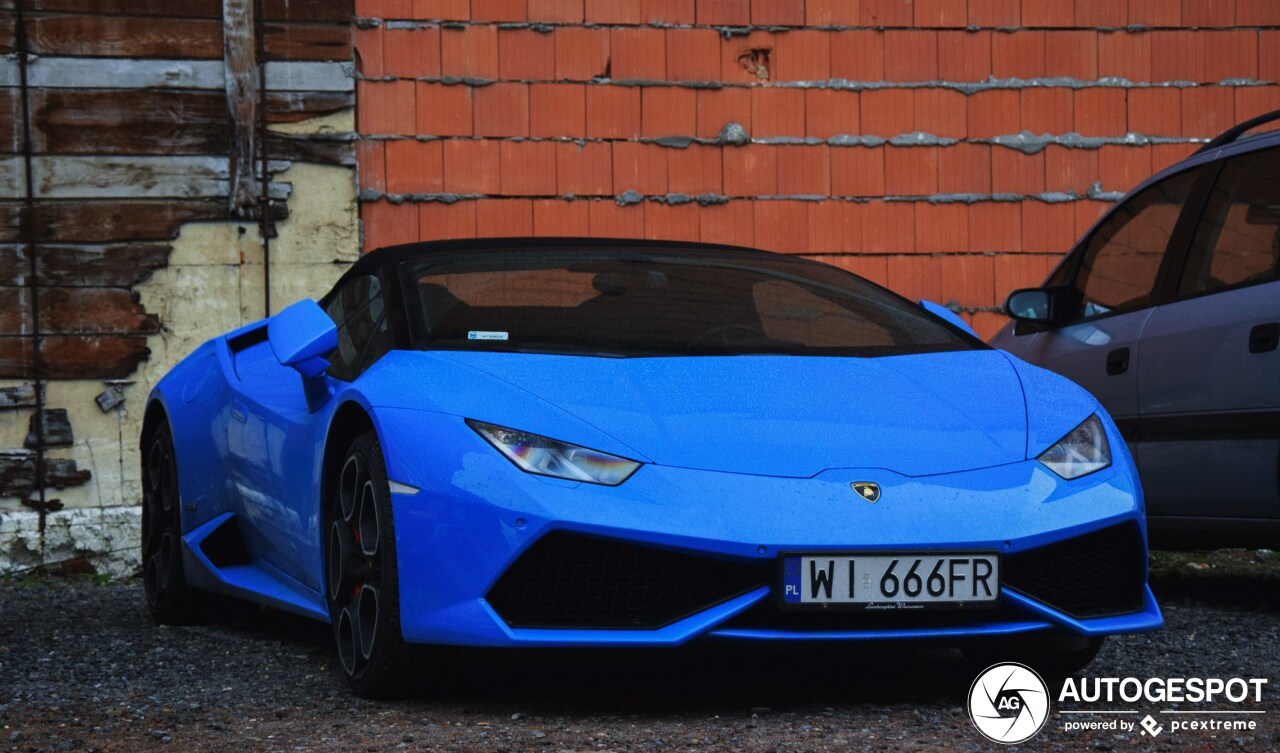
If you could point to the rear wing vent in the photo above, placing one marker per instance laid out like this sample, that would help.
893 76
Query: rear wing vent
247 339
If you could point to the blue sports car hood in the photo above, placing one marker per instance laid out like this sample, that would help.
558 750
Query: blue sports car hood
768 415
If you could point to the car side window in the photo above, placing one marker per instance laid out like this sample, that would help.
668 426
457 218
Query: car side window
1238 239
1121 259
364 334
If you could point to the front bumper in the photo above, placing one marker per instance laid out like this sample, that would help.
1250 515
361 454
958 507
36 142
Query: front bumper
476 516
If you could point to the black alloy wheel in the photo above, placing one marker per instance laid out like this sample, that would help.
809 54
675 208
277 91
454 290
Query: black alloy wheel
362 579
169 599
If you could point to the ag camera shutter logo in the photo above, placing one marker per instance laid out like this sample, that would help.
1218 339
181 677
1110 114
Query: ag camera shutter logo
1009 703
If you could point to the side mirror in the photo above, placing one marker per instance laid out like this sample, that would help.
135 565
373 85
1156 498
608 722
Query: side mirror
1033 305
301 336
942 312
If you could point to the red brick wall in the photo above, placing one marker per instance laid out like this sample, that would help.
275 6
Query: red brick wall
602 117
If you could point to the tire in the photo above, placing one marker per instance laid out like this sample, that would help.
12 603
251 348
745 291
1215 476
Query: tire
169 599
1054 659
362 583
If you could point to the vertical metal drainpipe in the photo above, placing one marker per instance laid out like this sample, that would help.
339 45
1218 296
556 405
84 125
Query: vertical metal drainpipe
27 233
266 227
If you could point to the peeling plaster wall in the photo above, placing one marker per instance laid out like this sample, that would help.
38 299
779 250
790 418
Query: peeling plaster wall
213 283
214 280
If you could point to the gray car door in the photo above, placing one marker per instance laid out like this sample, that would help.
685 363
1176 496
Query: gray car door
1209 367
1113 272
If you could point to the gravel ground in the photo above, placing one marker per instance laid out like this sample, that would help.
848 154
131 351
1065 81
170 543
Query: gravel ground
83 669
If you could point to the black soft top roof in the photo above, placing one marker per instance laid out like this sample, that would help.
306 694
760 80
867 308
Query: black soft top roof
390 256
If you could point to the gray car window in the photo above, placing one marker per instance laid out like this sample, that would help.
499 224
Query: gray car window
1238 240
1122 257
363 333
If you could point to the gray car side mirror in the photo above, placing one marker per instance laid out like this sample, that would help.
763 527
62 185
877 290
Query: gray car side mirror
1033 305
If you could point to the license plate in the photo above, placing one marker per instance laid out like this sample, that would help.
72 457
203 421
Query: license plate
891 581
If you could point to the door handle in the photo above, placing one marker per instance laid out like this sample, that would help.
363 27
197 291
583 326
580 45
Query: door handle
1117 361
1264 337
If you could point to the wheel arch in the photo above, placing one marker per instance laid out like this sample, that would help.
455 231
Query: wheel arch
155 414
349 421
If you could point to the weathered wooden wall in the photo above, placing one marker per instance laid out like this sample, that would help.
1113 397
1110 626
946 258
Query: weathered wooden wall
118 112
130 135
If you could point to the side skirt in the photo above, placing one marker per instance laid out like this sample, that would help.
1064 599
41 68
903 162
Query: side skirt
237 575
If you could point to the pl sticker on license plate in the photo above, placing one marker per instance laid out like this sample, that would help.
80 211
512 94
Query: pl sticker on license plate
892 581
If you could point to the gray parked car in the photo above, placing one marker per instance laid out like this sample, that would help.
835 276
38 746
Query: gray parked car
1168 311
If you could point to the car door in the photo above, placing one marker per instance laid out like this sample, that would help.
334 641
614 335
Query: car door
1209 368
1112 276
268 410
274 430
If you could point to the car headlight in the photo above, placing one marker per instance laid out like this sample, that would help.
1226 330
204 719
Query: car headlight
1083 451
543 456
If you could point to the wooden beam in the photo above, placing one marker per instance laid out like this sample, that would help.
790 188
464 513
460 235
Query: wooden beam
18 473
241 79
10 114
76 311
152 37
54 430
292 107
124 177
125 36
13 178
311 148
117 73
79 177
173 8
169 73
145 121
332 11
108 221
74 356
18 396
140 121
304 41
94 266
311 76
7 38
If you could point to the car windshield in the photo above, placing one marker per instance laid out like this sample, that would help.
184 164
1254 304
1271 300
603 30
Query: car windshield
636 302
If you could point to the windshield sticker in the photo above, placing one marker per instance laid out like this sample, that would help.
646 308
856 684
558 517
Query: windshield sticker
478 334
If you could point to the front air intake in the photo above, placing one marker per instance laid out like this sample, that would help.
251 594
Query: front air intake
568 580
1099 574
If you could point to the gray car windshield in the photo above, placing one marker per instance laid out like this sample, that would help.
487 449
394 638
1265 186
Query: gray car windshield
639 303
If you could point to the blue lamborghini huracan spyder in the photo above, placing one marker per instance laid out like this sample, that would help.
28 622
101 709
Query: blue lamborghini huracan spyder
573 443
